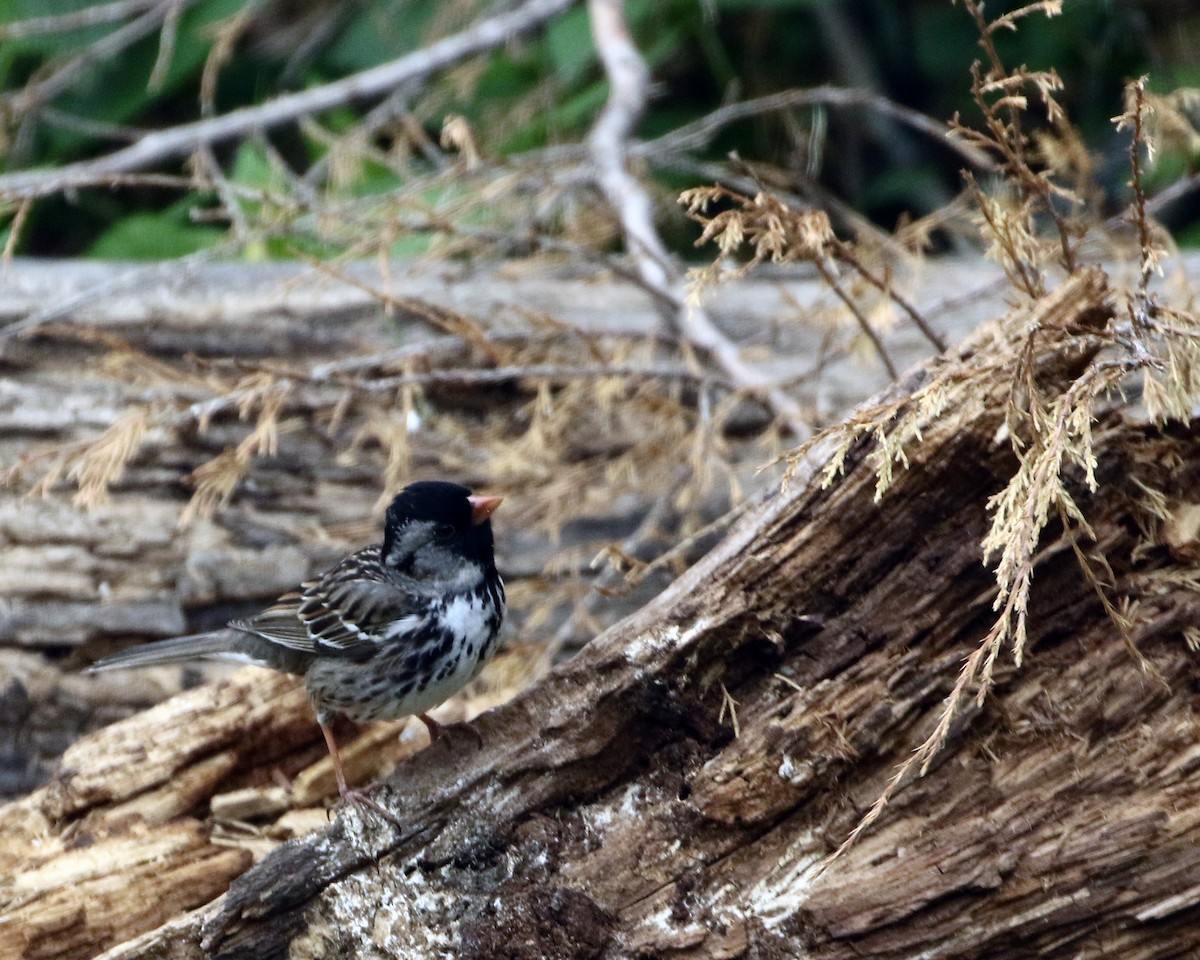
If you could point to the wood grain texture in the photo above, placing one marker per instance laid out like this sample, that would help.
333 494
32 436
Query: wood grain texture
75 584
613 813
614 807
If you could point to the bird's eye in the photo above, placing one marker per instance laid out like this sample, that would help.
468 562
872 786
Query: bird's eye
444 531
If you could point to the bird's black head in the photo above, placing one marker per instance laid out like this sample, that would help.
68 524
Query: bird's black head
441 532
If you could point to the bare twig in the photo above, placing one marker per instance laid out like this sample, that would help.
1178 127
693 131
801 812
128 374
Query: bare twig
394 107
166 44
38 92
169 268
1149 261
699 133
679 552
863 323
222 49
957 302
202 411
209 168
76 20
543 371
1177 191
729 705
182 139
629 81
611 576
1004 133
89 127
845 254
14 233
332 19
446 349
842 212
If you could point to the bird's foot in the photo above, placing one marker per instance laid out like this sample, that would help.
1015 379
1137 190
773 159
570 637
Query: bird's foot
439 730
348 794
361 797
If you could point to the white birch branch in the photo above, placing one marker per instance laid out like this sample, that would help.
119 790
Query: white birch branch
608 142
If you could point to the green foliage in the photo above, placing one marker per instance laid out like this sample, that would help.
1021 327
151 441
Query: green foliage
547 89
569 47
376 33
163 235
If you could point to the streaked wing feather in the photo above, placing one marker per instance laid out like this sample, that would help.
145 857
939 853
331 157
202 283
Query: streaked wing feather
280 623
342 613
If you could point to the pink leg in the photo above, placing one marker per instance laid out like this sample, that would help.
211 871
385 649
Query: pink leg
348 795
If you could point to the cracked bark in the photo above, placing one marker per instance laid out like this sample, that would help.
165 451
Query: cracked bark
612 814
86 580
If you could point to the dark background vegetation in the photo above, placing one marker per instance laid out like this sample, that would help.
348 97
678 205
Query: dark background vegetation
546 90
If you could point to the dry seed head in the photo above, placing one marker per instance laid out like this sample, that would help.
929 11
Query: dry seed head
102 463
214 482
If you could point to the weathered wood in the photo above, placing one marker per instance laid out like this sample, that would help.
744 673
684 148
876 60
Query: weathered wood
125 570
167 807
614 812
612 804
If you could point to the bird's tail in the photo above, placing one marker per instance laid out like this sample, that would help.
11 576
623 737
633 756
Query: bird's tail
214 645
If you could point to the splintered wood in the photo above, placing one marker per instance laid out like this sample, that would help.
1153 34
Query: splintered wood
615 810
157 814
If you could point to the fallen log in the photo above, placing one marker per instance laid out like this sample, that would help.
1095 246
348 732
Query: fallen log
87 345
677 788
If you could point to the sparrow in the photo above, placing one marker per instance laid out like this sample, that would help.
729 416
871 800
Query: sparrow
390 631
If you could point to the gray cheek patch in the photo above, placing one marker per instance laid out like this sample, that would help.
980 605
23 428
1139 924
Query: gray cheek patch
416 553
409 539
447 568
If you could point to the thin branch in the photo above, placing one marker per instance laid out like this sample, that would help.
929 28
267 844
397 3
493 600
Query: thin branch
650 528
203 410
699 133
1008 138
224 42
629 81
91 128
721 174
845 254
1145 243
679 552
957 302
14 234
331 21
77 20
443 349
166 45
470 376
395 107
208 168
182 139
38 92
863 323
1176 191
173 269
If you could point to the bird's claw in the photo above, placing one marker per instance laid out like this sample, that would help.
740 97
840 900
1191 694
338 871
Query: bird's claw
362 798
439 730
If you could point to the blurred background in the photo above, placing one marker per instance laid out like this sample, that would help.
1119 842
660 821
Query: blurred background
82 79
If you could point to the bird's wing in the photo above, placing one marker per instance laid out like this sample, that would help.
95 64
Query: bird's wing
344 612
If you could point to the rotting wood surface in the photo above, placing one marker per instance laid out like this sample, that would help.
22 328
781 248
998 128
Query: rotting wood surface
85 580
612 814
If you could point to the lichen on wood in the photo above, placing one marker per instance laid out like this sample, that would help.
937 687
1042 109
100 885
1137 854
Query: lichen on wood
614 813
